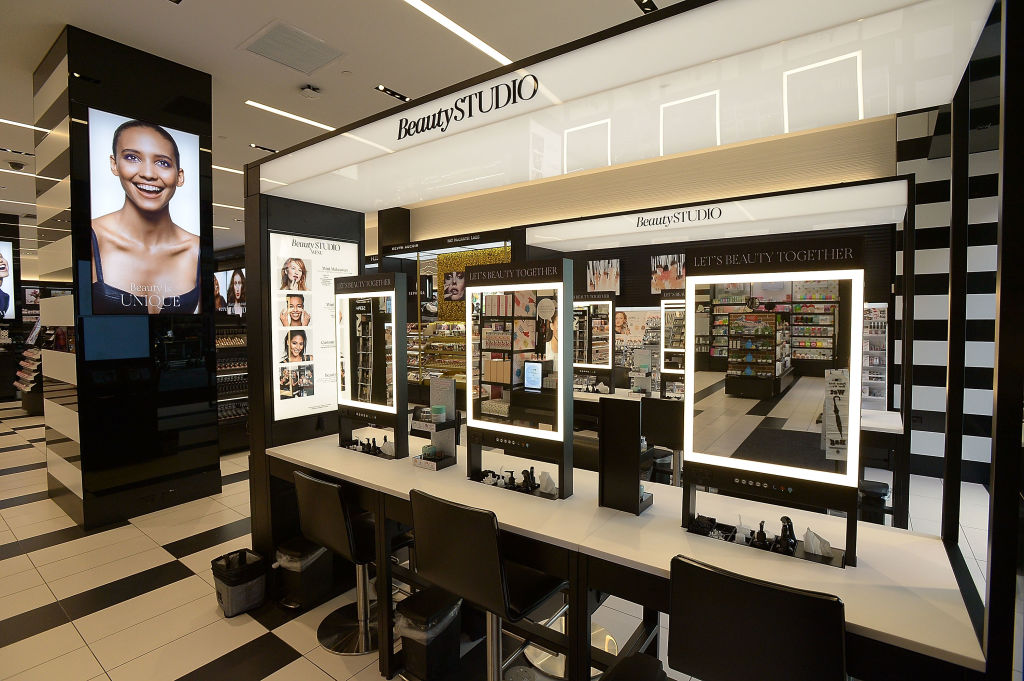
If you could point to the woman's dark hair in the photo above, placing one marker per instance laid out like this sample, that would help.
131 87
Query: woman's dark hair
152 126
231 288
292 334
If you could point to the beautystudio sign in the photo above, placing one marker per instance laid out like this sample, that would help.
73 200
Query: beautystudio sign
483 101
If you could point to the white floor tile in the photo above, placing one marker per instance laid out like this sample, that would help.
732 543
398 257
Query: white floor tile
190 652
925 508
104 574
23 479
199 561
180 513
6 537
21 457
32 487
166 532
299 670
619 625
300 633
135 641
344 667
370 673
925 486
19 581
207 576
84 544
239 458
33 512
242 508
78 665
230 468
35 650
971 515
12 566
95 558
43 527
663 655
235 499
25 600
929 527
128 613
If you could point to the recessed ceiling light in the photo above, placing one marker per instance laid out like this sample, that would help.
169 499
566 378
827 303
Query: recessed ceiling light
228 170
646 6
23 125
292 116
18 172
388 91
459 31
262 148
225 205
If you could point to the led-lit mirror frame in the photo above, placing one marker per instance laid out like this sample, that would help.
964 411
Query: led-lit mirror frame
611 334
666 305
565 324
342 338
856 303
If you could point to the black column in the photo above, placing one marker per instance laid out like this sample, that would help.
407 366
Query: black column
392 228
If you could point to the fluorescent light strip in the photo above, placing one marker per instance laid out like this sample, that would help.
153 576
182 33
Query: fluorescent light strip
219 227
267 179
357 138
224 205
228 170
292 116
459 31
23 125
24 203
19 172
858 55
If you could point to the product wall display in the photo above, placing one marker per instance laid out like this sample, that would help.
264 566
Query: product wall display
6 280
365 346
592 334
145 209
874 390
302 326
229 291
673 335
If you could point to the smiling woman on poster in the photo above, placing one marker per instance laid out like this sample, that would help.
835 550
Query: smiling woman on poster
142 261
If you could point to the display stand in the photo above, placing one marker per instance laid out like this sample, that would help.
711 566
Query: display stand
663 427
673 343
620 456
592 341
369 309
518 315
874 391
759 355
232 383
444 435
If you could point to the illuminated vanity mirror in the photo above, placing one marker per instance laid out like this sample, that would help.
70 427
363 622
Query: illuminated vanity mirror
365 335
592 334
780 391
512 361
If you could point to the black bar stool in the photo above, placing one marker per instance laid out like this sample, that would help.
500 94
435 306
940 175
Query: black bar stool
727 627
458 548
326 519
637 667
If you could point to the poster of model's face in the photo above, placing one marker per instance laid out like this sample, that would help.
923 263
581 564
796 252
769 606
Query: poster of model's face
302 333
6 280
144 193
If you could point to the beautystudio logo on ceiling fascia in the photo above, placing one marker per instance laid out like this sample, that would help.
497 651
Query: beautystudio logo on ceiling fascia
870 203
614 92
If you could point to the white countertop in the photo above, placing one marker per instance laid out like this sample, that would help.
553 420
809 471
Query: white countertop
902 591
881 421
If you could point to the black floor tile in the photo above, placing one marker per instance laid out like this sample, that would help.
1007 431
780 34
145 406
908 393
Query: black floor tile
23 499
234 477
14 448
49 539
22 469
708 391
30 623
123 589
257 659
204 540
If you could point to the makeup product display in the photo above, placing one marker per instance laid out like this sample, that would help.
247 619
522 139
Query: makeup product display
592 335
442 423
232 383
759 354
673 334
874 386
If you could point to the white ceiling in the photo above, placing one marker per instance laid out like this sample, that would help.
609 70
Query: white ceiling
384 41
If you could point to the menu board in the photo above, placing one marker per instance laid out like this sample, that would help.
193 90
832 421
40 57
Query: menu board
302 342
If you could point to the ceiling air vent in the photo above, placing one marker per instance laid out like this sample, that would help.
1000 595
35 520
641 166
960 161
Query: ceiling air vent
292 47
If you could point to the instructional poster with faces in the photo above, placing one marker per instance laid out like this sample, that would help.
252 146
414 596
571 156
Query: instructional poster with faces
302 341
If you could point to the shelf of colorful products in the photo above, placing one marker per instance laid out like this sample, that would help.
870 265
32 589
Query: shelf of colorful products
507 328
814 329
437 349
875 346
759 345
673 325
232 374
722 307
363 369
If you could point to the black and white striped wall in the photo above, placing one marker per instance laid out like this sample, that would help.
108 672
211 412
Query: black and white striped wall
923 149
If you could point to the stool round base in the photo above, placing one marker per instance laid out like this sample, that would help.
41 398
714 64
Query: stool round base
341 634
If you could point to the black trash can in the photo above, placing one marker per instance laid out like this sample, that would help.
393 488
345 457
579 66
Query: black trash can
240 578
305 573
873 496
429 624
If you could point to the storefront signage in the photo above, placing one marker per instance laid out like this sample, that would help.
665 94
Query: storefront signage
735 257
483 101
381 282
680 217
550 271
